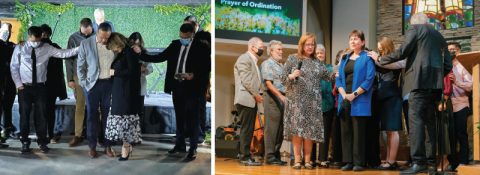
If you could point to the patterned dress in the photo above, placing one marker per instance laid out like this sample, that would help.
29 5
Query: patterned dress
303 111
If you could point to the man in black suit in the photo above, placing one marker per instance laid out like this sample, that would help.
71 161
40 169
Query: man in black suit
3 50
188 70
428 61
55 85
204 37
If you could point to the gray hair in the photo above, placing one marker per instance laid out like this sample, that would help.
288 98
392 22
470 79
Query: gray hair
273 43
253 41
419 18
99 13
320 47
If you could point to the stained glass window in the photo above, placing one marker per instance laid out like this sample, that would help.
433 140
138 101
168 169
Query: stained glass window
443 14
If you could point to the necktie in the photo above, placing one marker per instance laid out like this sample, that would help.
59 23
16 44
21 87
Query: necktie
34 67
182 59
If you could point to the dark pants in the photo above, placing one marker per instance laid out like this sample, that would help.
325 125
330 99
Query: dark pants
460 136
372 152
35 97
99 96
353 136
187 109
9 93
50 113
323 147
141 111
247 121
203 116
422 119
273 126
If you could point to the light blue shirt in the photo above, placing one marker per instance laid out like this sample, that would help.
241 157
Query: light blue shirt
21 64
272 70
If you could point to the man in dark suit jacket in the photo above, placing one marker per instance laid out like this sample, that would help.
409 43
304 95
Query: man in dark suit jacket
428 61
55 85
188 71
204 37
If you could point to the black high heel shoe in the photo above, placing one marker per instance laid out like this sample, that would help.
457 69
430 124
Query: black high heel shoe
129 153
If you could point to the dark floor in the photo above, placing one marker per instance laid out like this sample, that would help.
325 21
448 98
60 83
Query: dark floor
150 157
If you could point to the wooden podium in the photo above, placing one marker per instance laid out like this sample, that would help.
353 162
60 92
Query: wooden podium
471 62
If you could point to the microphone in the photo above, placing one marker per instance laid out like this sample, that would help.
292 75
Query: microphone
299 66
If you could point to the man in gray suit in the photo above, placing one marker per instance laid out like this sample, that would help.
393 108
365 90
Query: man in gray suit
93 70
248 96
428 61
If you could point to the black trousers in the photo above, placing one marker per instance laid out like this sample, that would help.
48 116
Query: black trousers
372 152
28 98
247 121
461 136
353 136
100 96
8 98
421 119
273 125
203 116
187 109
328 130
50 114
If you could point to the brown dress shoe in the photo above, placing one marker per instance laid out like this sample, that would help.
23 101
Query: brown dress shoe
109 151
92 153
75 141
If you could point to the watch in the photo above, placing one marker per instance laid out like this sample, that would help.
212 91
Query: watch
355 93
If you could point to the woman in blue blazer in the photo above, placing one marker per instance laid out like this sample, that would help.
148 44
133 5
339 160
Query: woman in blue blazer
354 83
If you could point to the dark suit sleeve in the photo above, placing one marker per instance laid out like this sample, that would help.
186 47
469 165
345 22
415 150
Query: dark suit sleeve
168 53
447 61
404 50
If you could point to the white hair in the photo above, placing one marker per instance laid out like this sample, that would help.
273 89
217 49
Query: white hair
253 41
320 47
419 18
99 13
273 43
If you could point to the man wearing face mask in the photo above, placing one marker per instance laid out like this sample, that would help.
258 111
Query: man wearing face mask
462 86
8 91
188 70
29 73
274 96
75 39
93 70
248 96
205 38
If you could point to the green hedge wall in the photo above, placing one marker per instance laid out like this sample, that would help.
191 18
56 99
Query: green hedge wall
157 30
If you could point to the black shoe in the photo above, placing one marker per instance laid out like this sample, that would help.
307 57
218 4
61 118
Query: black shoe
3 145
130 150
192 155
26 147
250 162
416 168
347 167
358 168
389 166
176 149
275 161
337 165
44 148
